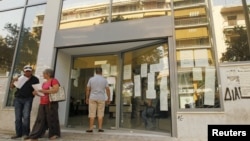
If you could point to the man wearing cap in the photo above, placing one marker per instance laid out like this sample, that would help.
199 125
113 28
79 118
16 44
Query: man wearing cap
23 101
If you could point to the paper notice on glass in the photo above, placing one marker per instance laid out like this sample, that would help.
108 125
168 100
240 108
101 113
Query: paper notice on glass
75 73
154 68
21 81
137 83
163 63
111 94
111 80
209 96
186 58
38 87
127 72
164 83
105 69
151 94
151 81
164 100
197 74
144 70
201 57
113 70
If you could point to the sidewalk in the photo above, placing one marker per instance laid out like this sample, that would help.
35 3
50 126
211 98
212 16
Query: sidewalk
108 135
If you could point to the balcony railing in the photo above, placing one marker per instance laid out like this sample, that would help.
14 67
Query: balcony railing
188 3
193 43
193 21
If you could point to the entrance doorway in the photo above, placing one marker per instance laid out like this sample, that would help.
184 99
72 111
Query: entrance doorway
83 69
140 88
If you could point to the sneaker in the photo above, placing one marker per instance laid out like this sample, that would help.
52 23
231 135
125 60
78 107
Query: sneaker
15 137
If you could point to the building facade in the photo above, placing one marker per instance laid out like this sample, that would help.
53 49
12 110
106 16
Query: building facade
154 53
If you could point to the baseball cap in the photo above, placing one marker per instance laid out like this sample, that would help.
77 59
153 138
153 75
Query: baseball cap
27 68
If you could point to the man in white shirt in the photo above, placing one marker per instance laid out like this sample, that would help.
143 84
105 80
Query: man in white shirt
95 97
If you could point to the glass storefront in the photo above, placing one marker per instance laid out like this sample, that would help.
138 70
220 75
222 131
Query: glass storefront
28 43
83 69
77 13
9 31
197 79
135 9
145 97
141 101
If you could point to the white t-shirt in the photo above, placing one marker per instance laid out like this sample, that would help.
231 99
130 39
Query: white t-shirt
97 86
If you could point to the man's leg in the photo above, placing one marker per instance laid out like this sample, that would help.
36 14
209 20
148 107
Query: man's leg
26 115
91 122
100 121
92 114
100 114
18 117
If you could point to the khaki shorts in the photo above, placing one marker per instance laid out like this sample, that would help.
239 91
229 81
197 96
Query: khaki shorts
96 106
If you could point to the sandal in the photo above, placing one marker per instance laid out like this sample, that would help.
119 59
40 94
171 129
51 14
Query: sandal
53 137
89 131
100 130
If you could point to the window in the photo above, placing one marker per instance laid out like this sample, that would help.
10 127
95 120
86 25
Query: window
28 43
10 28
91 12
146 84
232 20
197 79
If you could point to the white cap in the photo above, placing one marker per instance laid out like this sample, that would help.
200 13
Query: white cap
27 68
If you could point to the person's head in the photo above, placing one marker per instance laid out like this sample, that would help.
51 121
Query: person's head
48 73
98 70
27 70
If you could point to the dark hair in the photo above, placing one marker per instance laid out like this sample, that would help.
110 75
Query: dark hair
49 72
98 70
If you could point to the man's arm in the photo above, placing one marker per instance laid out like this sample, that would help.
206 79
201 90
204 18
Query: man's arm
108 94
87 95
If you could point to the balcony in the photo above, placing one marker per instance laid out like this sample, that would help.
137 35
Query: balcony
189 3
191 22
193 43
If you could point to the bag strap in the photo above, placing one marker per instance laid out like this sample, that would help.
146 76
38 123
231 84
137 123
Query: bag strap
51 82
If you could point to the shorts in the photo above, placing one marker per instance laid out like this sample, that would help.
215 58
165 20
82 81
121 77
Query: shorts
96 106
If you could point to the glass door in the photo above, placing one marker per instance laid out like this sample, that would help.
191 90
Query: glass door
82 70
145 97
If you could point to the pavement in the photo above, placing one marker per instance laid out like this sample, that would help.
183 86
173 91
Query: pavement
107 135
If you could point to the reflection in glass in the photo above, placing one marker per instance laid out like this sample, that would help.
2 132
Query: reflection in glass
145 102
197 79
236 32
36 1
28 44
137 9
77 13
7 4
9 30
